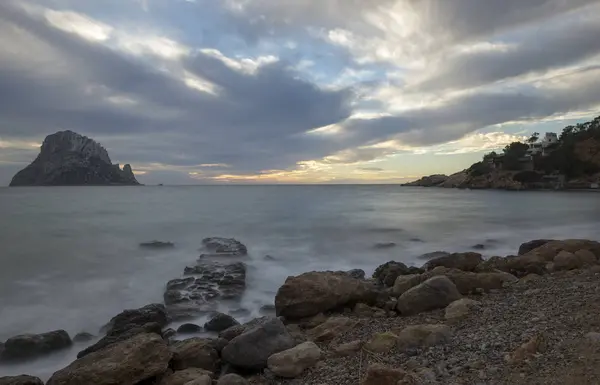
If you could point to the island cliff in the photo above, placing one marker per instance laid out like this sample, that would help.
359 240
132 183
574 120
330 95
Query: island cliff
67 158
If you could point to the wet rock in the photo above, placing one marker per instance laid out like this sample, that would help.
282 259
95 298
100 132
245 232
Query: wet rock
419 336
234 331
315 292
195 353
461 261
183 377
331 328
550 250
224 246
434 293
592 337
492 264
479 246
252 349
404 283
132 318
206 284
157 245
378 374
387 273
20 380
115 337
433 255
460 309
531 245
143 357
565 260
232 379
384 245
381 342
189 328
27 346
292 362
83 337
220 322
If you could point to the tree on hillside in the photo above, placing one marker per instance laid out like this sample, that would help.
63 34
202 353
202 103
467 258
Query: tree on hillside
534 138
512 155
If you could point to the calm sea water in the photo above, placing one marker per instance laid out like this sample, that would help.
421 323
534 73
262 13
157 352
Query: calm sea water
70 257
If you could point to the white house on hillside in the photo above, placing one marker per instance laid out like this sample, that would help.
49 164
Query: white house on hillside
543 147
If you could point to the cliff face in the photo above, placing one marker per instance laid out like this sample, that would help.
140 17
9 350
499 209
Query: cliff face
67 158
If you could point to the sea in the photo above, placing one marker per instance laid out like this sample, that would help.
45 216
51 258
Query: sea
70 256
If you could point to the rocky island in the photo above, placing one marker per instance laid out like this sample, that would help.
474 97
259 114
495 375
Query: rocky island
69 159
460 319
568 161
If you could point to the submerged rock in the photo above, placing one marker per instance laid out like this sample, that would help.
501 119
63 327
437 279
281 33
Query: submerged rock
130 318
224 246
83 337
157 245
67 158
385 245
189 328
26 346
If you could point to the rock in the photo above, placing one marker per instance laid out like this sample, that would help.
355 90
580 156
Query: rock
460 308
315 292
131 318
356 273
529 279
492 264
141 358
592 337
27 346
189 328
20 380
292 362
296 333
157 245
429 181
348 349
232 379
461 261
566 261
550 250
433 255
205 285
531 245
224 246
236 330
419 336
384 245
479 246
378 374
404 283
67 158
387 273
434 293
169 333
525 264
363 310
83 337
204 380
251 349
183 377
586 257
113 337
220 322
331 328
314 321
526 351
468 282
381 342
267 309
195 353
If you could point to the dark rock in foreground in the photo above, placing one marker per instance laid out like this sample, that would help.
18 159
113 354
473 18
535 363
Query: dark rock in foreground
20 380
67 158
28 346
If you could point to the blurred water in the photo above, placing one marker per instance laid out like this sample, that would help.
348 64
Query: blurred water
70 257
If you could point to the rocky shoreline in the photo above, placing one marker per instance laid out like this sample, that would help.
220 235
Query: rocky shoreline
530 318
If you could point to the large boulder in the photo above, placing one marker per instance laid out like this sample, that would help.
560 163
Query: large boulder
315 292
112 338
252 349
468 282
204 286
234 331
462 261
183 377
195 353
387 273
422 336
218 246
132 318
405 282
434 293
28 346
20 380
220 322
565 260
144 357
551 249
292 362
531 245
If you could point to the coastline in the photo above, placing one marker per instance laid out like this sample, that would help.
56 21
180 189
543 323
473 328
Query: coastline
508 320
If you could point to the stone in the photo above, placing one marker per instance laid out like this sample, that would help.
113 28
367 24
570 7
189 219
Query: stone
526 264
143 357
532 245
232 379
314 321
526 351
157 245
67 158
330 329
459 309
468 282
189 328
131 318
204 380
252 349
462 261
296 333
434 293
183 377
220 322
387 273
381 342
592 337
234 331
378 374
384 245
204 286
219 344
586 257
195 353
492 264
595 269
356 273
433 255
550 250
20 380
405 282
529 279
363 310
169 333
348 349
83 337
479 246
420 336
224 246
27 346
112 338
312 293
292 362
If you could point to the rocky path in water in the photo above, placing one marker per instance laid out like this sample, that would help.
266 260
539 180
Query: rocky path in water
458 320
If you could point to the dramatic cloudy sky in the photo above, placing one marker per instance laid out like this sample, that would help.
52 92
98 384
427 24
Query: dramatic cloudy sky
247 91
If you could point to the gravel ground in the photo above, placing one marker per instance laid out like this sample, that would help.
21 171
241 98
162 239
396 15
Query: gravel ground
557 309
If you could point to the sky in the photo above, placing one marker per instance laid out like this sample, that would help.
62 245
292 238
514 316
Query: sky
295 91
